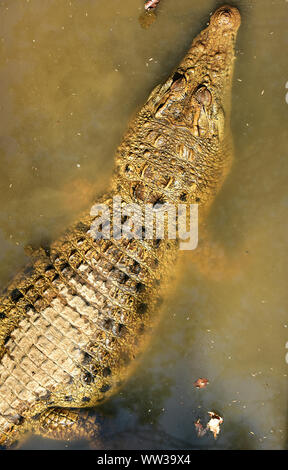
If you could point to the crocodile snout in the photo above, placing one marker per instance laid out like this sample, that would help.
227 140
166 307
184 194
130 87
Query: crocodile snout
226 17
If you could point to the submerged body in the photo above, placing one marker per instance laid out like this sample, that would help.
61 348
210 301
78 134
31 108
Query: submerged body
73 322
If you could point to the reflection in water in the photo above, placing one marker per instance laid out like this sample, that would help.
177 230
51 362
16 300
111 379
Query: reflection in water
71 76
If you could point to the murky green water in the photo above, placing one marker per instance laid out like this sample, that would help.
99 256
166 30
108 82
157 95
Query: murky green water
72 73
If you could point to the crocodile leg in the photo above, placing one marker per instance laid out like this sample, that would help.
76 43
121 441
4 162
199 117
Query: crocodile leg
68 424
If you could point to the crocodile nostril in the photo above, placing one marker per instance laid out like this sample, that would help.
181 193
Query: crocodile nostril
226 17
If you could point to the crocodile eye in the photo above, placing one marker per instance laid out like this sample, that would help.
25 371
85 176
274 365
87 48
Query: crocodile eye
171 101
177 76
178 84
203 96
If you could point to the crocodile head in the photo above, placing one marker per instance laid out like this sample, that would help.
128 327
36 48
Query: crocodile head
197 95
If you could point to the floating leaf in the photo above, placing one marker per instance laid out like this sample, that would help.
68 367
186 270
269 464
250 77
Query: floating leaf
214 423
201 431
201 383
150 4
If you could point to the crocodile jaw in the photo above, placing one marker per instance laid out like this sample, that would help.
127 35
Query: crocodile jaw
197 95
214 52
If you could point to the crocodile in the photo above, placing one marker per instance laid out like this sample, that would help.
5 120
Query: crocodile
75 320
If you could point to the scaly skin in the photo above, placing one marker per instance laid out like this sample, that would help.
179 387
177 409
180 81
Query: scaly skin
74 321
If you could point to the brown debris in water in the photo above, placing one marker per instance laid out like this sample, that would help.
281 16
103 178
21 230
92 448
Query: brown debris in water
213 425
201 383
150 4
201 431
148 16
146 19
